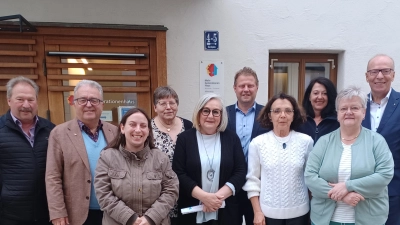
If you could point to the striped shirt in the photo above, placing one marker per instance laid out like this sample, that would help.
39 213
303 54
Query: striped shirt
344 213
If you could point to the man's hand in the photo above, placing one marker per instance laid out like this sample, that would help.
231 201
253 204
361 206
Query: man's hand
60 221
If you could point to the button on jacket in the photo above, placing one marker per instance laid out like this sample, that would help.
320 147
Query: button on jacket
143 184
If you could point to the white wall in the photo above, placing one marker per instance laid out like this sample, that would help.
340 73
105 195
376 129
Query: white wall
249 30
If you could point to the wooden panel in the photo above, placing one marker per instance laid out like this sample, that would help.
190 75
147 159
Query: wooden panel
18 53
3 88
18 41
98 78
56 99
105 89
97 66
11 76
18 65
118 49
97 43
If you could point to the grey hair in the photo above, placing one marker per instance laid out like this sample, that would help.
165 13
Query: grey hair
164 92
90 83
349 93
381 55
16 80
200 105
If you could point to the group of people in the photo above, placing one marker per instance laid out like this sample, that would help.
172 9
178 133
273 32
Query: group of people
260 163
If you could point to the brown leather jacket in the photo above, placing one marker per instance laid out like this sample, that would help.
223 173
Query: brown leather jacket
143 184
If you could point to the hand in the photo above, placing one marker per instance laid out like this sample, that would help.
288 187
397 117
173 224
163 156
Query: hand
206 209
60 221
212 201
138 221
338 191
353 198
259 218
143 221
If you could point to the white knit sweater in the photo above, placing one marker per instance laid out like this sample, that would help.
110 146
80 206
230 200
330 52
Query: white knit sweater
276 175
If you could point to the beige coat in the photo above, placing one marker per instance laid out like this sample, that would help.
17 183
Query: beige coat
144 184
68 177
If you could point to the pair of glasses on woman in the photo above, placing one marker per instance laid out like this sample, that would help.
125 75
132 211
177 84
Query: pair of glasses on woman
165 104
279 111
353 109
214 112
84 101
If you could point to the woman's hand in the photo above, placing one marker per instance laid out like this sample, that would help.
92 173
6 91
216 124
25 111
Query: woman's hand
259 218
211 201
338 191
353 198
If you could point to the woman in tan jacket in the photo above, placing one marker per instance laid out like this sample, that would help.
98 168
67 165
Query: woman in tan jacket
134 182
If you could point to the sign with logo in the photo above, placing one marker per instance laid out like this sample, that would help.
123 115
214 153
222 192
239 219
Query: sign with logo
212 77
211 40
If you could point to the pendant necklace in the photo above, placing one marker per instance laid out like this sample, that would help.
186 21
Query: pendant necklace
283 143
211 171
350 138
168 129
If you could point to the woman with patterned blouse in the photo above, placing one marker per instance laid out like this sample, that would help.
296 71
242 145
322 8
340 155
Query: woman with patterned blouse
166 126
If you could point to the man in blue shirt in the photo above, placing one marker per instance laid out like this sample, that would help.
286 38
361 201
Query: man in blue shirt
243 120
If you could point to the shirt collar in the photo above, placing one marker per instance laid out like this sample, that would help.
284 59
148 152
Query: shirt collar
253 108
387 96
99 126
18 122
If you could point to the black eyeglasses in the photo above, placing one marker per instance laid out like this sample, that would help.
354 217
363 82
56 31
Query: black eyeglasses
84 101
384 72
214 112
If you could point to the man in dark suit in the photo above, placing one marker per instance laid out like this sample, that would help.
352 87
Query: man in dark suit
383 116
243 120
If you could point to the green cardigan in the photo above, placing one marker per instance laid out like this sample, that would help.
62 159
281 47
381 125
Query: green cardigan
371 171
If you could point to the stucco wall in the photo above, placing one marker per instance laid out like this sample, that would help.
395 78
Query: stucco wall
249 30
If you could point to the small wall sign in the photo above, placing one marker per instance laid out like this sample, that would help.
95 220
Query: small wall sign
211 40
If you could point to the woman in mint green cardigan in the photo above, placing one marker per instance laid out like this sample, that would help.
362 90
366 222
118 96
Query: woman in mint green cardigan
349 169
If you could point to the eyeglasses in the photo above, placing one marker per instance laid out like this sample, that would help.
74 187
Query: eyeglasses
165 104
353 109
384 72
84 101
214 112
279 111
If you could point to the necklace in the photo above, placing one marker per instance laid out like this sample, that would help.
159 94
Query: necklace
211 171
168 129
350 139
283 143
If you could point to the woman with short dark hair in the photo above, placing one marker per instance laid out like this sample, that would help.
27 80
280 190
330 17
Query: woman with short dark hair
275 178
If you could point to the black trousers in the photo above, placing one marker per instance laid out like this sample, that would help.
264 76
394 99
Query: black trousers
95 217
245 208
5 221
301 220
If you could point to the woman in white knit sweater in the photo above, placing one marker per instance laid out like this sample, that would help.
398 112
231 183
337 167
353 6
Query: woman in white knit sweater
275 178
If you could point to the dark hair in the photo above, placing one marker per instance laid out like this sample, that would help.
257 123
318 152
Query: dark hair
164 92
120 138
246 71
298 116
330 92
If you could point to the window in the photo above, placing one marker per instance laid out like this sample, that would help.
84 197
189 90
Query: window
291 73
